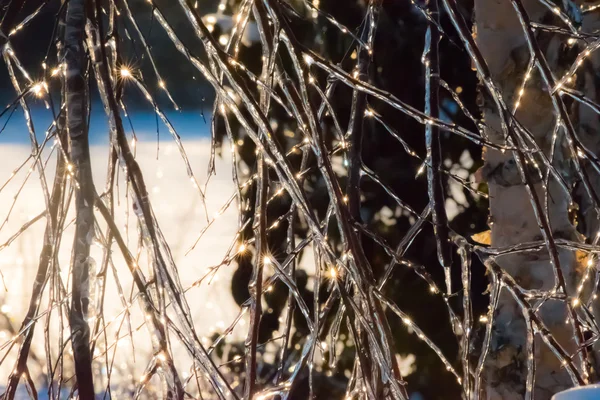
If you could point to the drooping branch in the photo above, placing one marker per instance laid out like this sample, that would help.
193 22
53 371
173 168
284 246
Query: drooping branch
435 186
297 151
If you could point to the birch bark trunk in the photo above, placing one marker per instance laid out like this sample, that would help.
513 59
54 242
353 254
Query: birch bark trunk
500 33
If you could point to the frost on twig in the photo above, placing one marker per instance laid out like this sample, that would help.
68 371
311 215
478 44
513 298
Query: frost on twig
338 172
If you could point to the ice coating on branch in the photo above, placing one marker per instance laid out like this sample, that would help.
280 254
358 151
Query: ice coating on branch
535 60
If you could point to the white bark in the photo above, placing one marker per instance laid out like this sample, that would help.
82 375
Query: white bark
503 44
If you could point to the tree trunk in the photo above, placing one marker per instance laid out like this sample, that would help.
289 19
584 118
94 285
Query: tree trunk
77 113
530 204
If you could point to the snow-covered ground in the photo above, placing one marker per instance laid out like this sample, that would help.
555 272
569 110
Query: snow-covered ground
181 216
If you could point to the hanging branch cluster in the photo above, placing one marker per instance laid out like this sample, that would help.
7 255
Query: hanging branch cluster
537 131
